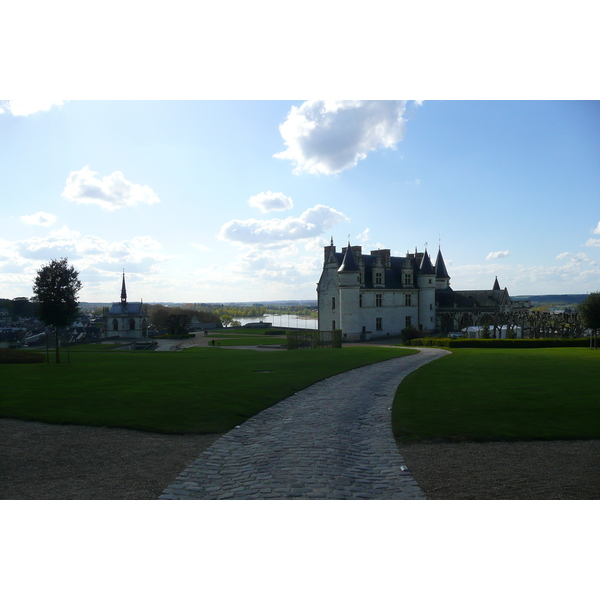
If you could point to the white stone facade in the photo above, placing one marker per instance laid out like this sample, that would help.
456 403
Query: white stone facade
376 295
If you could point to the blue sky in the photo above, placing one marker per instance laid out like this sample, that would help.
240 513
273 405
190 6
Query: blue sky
208 201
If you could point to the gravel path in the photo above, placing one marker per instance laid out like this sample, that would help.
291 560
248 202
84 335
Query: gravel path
332 440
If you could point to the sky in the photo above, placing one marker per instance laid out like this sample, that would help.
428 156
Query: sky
233 201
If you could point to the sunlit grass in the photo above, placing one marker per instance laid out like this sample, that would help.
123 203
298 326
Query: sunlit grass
199 390
502 394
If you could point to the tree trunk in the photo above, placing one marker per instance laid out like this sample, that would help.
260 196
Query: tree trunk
57 352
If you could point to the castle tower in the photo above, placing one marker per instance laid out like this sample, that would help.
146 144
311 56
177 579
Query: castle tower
426 280
349 290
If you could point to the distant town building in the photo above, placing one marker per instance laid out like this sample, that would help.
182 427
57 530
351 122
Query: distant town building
378 295
125 319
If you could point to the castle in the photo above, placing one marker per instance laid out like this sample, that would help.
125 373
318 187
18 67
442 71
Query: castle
378 295
126 319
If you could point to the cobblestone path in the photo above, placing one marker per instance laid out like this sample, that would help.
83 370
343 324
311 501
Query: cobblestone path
332 440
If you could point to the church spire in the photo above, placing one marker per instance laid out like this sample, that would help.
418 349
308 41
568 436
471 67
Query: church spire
123 290
496 285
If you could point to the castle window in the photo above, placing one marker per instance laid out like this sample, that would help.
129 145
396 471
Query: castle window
378 324
333 302
407 300
378 300
115 325
360 300
333 325
407 279
408 321
377 278
430 281
431 307
131 324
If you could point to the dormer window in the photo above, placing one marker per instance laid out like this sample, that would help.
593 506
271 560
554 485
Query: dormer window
378 278
407 279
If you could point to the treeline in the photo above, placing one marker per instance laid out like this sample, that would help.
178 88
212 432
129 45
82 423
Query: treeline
162 316
19 307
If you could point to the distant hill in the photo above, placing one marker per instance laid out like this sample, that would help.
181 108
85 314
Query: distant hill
553 299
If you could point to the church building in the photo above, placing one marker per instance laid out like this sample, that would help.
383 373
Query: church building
126 319
378 295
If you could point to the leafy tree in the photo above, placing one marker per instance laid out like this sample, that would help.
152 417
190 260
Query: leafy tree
177 323
408 334
590 312
56 288
226 320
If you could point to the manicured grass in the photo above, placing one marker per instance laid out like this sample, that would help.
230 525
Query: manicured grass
502 394
252 341
199 390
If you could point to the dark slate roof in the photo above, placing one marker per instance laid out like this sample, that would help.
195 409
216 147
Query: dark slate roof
348 264
440 266
127 308
393 274
426 268
496 285
471 299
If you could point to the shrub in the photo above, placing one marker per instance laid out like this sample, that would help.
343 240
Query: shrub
520 343
408 334
16 357
431 342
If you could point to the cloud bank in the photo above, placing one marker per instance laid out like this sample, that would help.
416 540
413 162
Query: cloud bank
110 192
330 136
310 223
39 218
23 108
271 201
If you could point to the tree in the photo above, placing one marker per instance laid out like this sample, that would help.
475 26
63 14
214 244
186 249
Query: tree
56 288
226 320
408 334
590 312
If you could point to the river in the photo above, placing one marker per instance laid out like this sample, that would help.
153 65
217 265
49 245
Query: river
283 321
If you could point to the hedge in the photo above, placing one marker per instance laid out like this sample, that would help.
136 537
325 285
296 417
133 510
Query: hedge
444 342
19 357
520 343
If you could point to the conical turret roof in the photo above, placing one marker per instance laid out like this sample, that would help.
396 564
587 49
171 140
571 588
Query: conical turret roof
440 266
496 285
349 263
426 268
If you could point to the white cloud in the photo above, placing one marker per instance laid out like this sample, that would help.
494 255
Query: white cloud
363 237
330 136
270 201
597 230
564 255
141 253
310 223
111 192
495 255
316 244
593 242
201 247
39 218
23 108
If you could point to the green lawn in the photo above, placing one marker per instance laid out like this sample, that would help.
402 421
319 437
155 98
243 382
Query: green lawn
199 390
502 394
252 341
